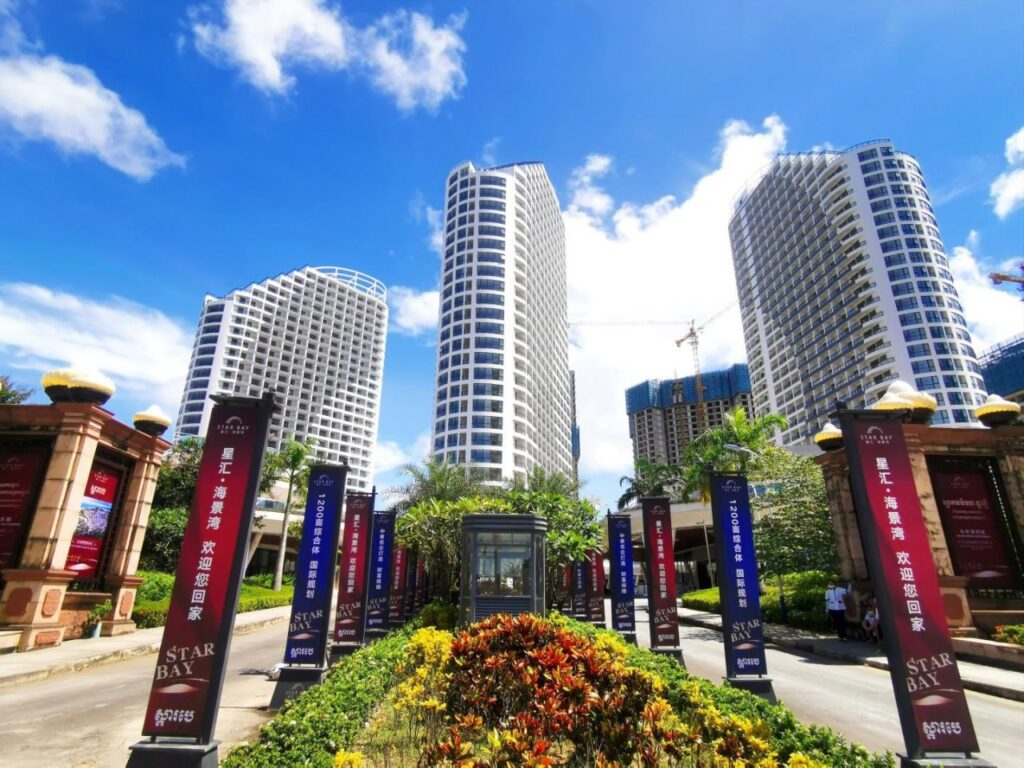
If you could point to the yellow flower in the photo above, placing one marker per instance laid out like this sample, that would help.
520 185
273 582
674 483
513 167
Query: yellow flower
349 759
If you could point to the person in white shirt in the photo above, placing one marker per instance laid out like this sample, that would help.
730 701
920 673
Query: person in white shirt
835 604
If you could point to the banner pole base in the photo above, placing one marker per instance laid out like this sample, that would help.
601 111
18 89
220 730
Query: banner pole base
341 650
676 653
942 760
759 686
173 754
292 681
629 637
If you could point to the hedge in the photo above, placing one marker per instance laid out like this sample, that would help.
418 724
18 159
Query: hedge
805 601
153 613
787 734
311 729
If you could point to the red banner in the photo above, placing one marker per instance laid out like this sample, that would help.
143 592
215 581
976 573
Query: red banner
420 591
348 623
396 608
94 517
973 533
661 600
190 666
21 473
595 587
929 694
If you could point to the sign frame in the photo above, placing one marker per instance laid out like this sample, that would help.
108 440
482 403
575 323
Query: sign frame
379 558
361 558
657 522
620 565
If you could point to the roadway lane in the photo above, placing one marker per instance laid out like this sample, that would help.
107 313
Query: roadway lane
853 699
90 718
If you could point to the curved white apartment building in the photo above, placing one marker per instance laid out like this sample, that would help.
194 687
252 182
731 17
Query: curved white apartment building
503 400
844 285
314 336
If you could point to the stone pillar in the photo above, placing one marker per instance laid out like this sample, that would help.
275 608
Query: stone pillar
852 564
34 591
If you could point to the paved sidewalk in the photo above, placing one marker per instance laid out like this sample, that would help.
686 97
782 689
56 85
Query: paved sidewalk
74 655
1005 683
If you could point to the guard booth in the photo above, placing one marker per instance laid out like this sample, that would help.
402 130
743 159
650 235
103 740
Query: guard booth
502 566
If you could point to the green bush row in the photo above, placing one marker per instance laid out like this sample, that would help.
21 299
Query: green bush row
787 734
309 730
805 601
153 613
1009 633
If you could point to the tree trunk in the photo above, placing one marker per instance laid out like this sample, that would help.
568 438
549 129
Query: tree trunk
279 570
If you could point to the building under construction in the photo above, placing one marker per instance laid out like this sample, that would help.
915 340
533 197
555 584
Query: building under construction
1003 369
665 416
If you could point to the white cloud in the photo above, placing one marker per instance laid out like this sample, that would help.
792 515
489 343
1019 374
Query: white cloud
434 218
404 54
44 98
145 352
993 314
667 259
1007 190
490 147
413 312
390 455
262 37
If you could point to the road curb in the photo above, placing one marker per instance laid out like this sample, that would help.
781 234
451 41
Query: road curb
808 646
114 655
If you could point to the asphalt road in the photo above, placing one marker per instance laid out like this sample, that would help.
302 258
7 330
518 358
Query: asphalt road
90 718
855 700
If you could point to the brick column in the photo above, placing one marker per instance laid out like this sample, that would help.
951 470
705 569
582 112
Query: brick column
34 591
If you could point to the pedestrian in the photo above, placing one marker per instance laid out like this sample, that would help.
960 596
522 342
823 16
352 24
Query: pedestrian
835 605
870 623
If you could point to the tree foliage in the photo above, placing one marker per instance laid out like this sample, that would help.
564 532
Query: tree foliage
12 393
438 480
539 480
794 532
164 535
291 464
650 479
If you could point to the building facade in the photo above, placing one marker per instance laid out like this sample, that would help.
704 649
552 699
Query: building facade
663 414
314 336
503 401
844 286
1003 369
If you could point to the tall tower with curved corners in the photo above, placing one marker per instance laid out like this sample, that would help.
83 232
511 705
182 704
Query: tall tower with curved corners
503 397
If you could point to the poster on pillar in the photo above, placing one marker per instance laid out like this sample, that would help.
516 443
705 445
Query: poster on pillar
975 537
190 666
351 613
94 515
396 600
595 587
378 593
620 561
738 576
22 469
926 681
662 572
308 626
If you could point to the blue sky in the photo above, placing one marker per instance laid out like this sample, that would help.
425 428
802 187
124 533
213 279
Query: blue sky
154 152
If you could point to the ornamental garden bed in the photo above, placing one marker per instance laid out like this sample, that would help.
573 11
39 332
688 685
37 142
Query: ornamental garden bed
527 691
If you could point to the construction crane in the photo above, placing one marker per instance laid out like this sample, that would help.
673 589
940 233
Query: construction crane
692 336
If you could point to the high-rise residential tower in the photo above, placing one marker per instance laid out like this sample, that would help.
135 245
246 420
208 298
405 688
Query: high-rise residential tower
503 392
314 336
844 286
663 415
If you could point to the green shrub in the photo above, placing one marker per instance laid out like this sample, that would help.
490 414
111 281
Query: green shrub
786 734
156 586
1009 633
326 718
440 614
266 580
165 532
153 613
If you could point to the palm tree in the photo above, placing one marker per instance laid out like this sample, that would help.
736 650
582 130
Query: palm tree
540 481
291 462
733 447
649 479
11 393
438 480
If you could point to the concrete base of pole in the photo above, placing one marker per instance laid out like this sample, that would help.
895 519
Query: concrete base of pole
341 650
937 760
173 754
292 681
759 686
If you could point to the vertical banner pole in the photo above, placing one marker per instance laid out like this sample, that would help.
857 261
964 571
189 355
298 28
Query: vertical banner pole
738 585
349 617
661 595
396 607
305 654
190 666
926 682
620 561
595 588
579 590
378 592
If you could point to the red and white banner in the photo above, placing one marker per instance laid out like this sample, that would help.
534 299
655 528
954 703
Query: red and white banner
21 474
396 608
190 666
926 681
349 621
660 556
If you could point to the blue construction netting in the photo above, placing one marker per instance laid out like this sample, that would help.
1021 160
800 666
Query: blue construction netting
1003 367
718 385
